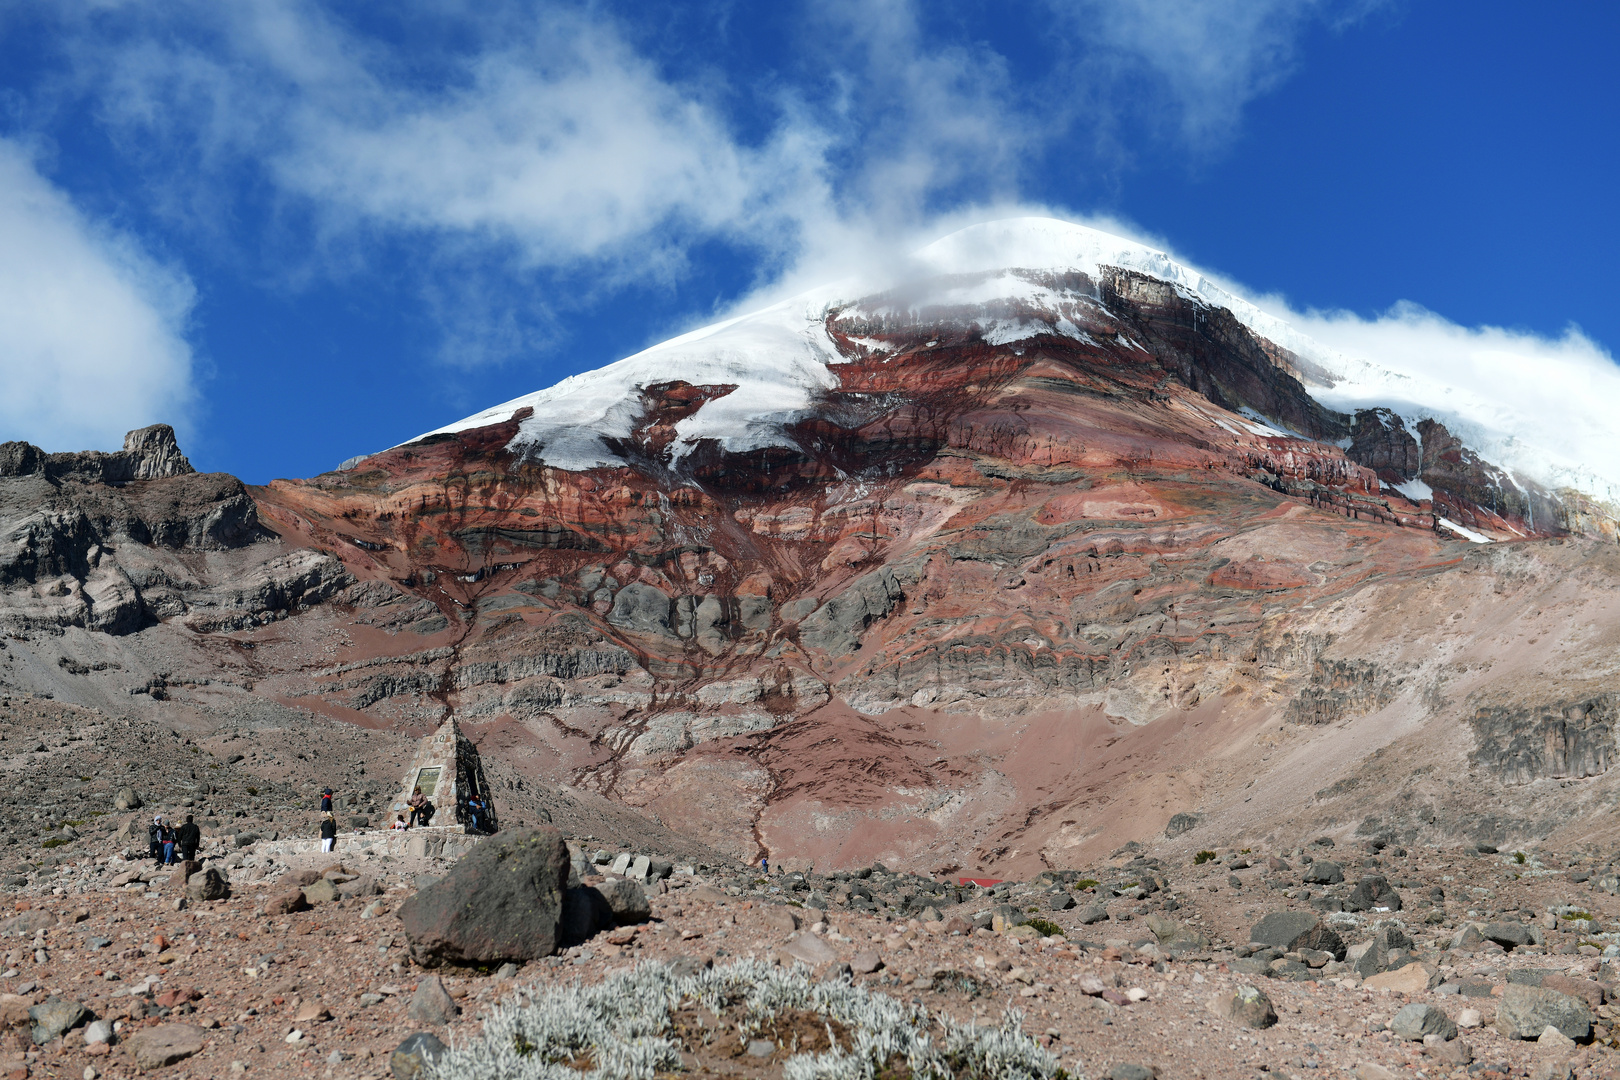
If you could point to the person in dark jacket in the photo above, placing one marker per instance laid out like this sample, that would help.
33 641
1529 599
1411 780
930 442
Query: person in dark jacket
328 832
326 801
166 837
154 839
189 837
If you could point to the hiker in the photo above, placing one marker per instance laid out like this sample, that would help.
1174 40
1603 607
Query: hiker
189 837
326 800
765 864
166 838
154 839
328 832
474 809
399 822
420 809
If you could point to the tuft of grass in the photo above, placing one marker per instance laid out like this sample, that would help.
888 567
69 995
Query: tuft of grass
1518 857
1046 927
55 841
252 791
1579 915
1086 883
1203 857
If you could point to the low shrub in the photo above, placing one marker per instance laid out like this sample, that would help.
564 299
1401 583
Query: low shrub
1203 857
622 1029
1046 927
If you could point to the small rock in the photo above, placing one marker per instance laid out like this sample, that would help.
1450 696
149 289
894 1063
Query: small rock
1455 1052
1368 1070
505 971
54 1016
1372 892
1411 979
286 903
1092 913
1246 1005
780 917
432 1003
627 900
162 1046
1416 1021
98 1031
1470 1018
1323 872
207 884
761 1048
1130 1071
865 962
1509 935
810 949
320 892
1554 1041
311 1012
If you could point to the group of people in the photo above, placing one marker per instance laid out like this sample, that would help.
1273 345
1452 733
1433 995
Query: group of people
169 843
418 811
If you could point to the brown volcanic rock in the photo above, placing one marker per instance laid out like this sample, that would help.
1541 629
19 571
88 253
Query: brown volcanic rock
502 902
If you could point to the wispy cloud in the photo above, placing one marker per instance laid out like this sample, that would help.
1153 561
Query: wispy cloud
91 326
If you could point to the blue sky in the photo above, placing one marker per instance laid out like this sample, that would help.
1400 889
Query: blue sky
302 231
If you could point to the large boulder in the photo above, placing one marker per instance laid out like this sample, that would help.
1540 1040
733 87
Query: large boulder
503 901
1525 1011
126 798
1294 930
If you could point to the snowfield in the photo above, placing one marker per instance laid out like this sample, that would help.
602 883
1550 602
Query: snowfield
1547 417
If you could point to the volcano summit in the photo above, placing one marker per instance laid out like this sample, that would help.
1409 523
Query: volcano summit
1029 551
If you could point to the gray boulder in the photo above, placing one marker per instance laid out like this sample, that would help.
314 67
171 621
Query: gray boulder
1372 891
414 1058
501 902
1525 1011
208 884
1508 934
627 900
52 1017
432 1003
1293 930
1175 938
1416 1020
1092 913
127 799
1059 901
1323 872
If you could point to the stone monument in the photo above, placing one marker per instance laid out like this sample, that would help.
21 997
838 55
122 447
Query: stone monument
448 772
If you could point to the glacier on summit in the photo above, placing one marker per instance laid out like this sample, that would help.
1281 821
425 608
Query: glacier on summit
780 357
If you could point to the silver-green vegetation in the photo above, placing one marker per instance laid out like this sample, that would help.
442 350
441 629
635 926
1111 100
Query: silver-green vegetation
622 1027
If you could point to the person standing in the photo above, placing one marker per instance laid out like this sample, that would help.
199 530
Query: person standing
328 832
166 838
326 800
189 837
154 839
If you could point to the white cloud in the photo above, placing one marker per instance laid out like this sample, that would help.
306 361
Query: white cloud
91 341
1543 406
1189 66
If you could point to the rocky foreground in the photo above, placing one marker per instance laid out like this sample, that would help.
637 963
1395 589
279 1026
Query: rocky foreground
275 961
